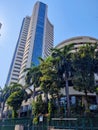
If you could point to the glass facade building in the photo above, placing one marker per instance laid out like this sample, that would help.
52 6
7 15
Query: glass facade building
39 34
39 40
35 40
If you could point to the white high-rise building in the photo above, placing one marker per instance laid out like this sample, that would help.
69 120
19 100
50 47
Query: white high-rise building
35 40
39 39
14 71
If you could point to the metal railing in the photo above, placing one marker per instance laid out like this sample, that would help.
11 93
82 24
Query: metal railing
80 123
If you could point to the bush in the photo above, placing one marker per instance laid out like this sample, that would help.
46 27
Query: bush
35 120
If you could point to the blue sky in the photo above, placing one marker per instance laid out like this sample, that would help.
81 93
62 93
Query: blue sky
69 17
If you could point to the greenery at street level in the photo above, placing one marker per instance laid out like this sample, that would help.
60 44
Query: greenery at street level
4 94
50 84
62 58
85 66
39 107
12 96
15 101
53 74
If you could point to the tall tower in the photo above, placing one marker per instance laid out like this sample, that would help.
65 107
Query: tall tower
39 40
13 75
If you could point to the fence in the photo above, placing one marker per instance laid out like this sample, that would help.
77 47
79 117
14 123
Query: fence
82 123
75 123
9 124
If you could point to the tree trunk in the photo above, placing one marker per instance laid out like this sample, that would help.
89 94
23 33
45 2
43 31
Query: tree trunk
86 102
67 97
97 98
2 108
19 113
34 93
14 113
58 104
46 97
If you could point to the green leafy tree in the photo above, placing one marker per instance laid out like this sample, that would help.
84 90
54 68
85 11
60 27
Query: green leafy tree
84 69
16 88
50 84
15 101
38 108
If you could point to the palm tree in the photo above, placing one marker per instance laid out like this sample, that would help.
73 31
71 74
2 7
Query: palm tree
4 94
18 94
14 87
32 78
49 80
62 59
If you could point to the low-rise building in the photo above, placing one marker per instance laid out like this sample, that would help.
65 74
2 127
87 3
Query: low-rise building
78 41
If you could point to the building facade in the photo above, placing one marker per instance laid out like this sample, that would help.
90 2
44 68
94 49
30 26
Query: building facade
39 40
15 66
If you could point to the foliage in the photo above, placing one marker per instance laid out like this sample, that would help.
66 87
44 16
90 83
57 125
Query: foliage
32 77
17 93
49 79
39 107
62 62
4 94
14 114
15 100
97 89
83 65
84 69
35 120
49 110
